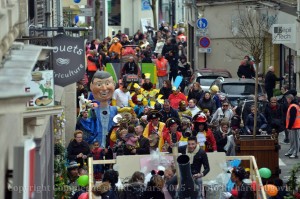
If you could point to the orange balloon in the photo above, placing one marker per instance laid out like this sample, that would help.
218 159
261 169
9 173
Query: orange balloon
271 190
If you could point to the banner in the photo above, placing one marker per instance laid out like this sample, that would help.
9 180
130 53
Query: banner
150 68
41 84
114 69
68 59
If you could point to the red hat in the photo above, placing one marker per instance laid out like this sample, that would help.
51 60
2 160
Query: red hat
199 118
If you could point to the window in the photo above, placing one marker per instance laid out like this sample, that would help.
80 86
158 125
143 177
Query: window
240 89
114 12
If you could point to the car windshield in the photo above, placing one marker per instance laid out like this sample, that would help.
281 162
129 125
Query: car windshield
216 74
206 81
240 89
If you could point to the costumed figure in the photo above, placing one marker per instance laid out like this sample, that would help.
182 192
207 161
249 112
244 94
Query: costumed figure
131 143
170 135
153 130
204 135
183 111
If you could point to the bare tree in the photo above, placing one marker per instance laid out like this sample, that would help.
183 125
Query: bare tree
97 19
153 7
250 31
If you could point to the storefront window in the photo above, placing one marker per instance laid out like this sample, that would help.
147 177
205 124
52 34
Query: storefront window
288 66
114 12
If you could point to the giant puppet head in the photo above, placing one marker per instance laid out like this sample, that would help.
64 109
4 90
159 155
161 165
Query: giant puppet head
102 86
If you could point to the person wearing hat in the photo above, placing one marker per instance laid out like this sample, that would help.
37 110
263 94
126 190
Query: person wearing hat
186 130
204 135
147 85
73 173
175 97
183 111
154 128
214 90
116 46
139 107
170 135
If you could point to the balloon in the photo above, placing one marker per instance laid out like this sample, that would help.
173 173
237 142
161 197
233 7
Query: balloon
265 173
271 190
234 192
83 180
77 1
253 185
76 18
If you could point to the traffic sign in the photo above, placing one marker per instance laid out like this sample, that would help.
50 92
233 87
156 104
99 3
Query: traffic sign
204 42
87 12
202 23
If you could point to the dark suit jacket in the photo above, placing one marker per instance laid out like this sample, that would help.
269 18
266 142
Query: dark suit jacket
199 159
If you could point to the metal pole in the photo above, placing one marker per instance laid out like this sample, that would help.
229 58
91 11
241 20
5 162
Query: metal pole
290 63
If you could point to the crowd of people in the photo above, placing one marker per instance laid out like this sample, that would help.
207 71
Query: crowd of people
137 118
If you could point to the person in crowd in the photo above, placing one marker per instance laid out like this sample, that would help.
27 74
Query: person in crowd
173 63
130 67
110 190
78 150
125 40
183 111
169 188
186 71
246 69
103 87
270 81
207 114
293 126
116 46
146 57
166 89
169 46
192 107
168 112
204 135
84 122
122 97
81 88
137 37
135 187
119 34
198 158
97 154
143 143
222 112
244 190
235 122
153 130
261 124
176 97
120 144
181 51
273 113
214 90
93 64
154 189
139 107
72 173
162 69
206 102
196 92
170 135
114 58
221 136
147 85
284 104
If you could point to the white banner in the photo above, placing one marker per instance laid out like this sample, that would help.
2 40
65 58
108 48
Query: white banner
284 34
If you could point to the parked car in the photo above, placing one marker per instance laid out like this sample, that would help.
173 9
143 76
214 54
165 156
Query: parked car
206 76
236 90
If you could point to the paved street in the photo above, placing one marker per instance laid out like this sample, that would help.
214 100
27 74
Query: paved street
285 163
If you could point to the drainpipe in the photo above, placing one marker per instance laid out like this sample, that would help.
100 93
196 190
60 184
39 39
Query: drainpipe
297 58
